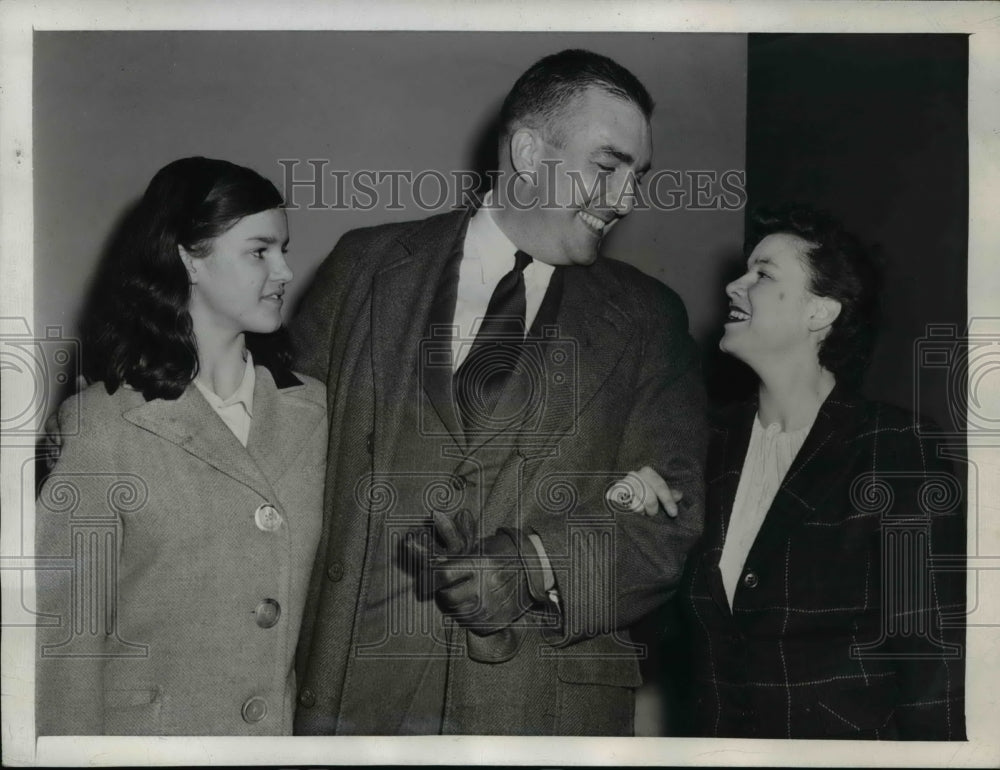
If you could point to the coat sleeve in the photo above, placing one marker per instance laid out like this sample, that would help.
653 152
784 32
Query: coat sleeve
77 535
637 564
925 611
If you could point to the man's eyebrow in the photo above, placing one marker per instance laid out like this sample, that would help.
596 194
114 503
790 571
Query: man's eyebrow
756 261
622 156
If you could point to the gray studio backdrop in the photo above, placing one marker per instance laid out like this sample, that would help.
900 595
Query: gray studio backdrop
110 108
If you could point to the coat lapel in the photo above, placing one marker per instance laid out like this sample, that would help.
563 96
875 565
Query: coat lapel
729 448
402 297
281 423
437 369
191 423
593 329
813 474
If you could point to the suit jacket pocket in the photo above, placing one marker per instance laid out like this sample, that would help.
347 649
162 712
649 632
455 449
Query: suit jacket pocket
858 712
133 711
611 671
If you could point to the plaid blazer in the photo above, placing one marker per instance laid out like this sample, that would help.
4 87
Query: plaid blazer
836 625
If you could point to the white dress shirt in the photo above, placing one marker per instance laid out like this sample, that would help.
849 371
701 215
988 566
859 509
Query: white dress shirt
487 256
237 410
768 459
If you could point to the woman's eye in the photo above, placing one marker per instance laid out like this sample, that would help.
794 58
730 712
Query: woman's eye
258 253
605 169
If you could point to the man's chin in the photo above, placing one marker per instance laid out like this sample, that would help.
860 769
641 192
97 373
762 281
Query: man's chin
586 254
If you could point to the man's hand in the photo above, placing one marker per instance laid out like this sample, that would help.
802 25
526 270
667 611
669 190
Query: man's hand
644 491
486 590
484 585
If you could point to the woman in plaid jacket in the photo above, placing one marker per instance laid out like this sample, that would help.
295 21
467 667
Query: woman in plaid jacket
818 603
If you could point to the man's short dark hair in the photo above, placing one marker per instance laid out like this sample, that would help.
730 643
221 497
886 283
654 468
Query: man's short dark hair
839 267
547 88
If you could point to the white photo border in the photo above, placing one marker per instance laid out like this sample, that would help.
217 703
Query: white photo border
19 19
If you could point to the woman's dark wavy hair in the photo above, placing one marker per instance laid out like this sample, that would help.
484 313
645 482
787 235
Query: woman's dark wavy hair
138 331
841 268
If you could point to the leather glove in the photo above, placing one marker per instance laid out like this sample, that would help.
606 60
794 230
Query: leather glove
452 566
420 548
488 588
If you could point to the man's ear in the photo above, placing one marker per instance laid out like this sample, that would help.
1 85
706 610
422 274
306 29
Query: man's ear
825 311
189 264
525 150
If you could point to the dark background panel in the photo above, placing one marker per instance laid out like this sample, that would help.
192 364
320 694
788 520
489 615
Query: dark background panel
872 128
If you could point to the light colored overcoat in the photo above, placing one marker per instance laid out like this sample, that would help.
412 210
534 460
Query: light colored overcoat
174 603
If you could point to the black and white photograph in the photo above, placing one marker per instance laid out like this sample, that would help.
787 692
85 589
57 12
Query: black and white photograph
401 385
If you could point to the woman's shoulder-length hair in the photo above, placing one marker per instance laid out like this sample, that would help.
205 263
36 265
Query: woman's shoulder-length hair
137 330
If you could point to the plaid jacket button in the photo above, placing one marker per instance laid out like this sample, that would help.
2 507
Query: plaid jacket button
750 579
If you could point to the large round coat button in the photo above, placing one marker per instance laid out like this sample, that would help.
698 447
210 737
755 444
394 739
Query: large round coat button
307 698
335 571
267 613
254 710
750 580
267 518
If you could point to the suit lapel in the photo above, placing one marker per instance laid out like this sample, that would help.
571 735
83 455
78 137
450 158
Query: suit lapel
191 423
402 296
596 330
576 354
280 425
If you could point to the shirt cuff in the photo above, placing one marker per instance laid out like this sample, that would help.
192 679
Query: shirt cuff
548 575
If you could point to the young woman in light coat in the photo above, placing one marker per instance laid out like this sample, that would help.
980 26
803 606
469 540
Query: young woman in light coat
184 510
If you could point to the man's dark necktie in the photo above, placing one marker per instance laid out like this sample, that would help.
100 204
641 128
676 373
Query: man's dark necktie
495 352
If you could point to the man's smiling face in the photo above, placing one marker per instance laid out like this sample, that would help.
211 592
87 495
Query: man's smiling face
591 163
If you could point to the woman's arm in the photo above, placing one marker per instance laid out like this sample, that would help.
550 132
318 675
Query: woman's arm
77 532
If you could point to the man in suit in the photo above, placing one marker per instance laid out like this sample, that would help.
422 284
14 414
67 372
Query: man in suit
489 375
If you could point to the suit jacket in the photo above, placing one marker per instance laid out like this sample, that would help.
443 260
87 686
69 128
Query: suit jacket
178 561
836 624
621 388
